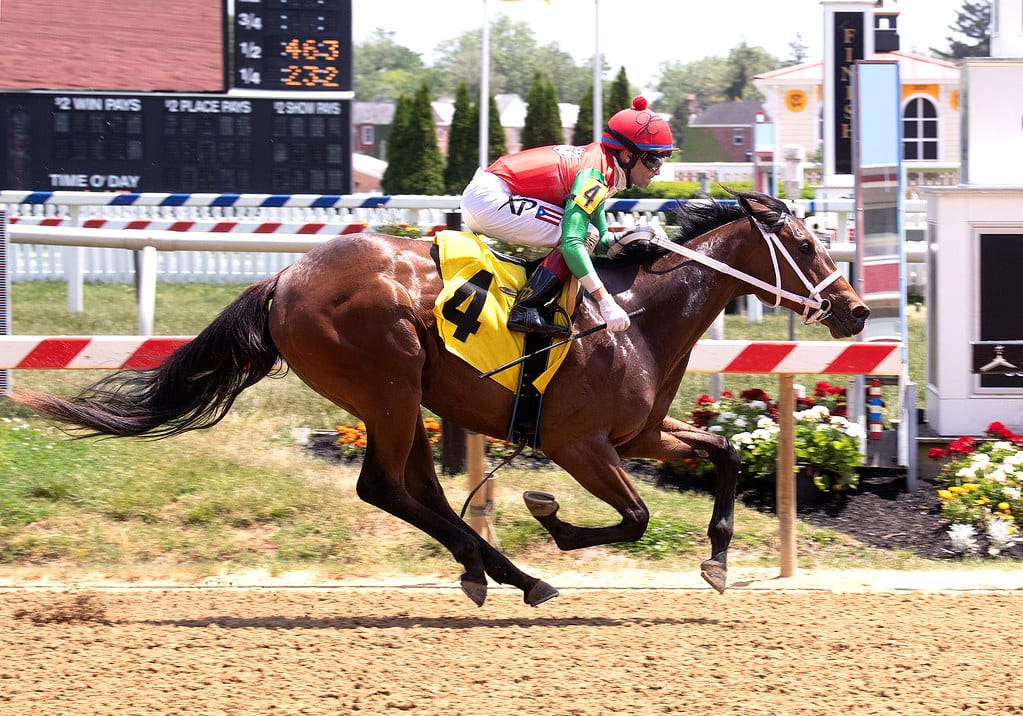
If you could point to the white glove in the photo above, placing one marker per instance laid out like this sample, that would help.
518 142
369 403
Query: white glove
613 314
641 234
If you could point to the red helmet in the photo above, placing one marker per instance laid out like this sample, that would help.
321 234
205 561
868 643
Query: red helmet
639 130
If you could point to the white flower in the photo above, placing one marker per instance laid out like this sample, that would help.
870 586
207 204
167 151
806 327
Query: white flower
1011 493
765 423
967 471
998 475
758 405
963 539
715 429
999 534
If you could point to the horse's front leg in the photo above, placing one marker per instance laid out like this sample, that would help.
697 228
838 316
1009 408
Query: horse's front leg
595 465
675 440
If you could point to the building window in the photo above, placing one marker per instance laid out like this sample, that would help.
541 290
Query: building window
368 133
738 136
920 130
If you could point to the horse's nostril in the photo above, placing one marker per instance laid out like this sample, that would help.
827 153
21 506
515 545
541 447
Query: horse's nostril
861 311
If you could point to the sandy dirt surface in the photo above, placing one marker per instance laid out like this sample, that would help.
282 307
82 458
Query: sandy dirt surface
820 643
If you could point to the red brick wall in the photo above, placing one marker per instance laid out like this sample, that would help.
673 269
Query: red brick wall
112 44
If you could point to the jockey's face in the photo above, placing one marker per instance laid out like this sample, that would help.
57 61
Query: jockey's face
644 170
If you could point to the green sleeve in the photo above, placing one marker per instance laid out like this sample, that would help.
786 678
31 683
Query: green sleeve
584 207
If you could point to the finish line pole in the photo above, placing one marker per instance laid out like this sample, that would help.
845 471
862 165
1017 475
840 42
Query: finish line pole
785 480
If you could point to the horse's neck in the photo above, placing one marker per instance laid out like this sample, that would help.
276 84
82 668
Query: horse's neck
701 292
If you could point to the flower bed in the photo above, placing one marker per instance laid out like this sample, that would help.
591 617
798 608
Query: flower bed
827 445
981 491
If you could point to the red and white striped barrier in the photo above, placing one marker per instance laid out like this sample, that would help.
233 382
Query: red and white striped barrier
56 352
821 357
226 226
814 357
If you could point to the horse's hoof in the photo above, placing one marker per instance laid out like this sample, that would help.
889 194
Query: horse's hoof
540 504
539 593
714 573
476 591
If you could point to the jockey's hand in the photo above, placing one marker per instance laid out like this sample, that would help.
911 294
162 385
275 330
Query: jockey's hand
633 241
613 314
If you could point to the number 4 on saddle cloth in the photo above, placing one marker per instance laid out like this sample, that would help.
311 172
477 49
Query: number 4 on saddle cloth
472 313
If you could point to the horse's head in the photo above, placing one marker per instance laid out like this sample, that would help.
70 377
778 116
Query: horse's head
805 279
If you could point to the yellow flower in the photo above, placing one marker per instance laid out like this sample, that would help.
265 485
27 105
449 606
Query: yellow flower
1004 506
981 501
971 487
945 494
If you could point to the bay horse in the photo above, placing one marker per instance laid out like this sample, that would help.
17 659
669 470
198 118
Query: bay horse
354 319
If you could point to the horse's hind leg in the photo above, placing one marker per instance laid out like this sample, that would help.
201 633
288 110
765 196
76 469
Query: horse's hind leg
398 477
422 483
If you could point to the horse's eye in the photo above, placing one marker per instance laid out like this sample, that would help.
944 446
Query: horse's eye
805 247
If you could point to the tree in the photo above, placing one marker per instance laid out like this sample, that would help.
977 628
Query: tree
543 119
399 151
413 159
426 174
583 132
383 70
514 57
974 23
618 95
744 64
797 48
463 143
496 145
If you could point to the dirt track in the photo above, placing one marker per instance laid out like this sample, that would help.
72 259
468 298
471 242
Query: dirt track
429 651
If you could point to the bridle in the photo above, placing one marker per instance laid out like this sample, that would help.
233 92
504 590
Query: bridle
815 307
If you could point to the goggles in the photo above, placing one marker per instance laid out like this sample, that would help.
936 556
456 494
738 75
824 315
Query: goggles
653 162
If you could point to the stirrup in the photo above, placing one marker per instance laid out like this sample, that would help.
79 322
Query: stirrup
529 320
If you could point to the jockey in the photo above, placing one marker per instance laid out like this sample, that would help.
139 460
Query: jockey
554 197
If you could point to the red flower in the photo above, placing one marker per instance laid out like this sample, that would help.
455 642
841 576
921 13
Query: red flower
704 400
755 394
936 453
726 394
962 446
998 430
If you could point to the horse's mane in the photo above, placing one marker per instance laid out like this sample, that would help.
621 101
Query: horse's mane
697 217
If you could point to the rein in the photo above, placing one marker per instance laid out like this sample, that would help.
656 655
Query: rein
820 307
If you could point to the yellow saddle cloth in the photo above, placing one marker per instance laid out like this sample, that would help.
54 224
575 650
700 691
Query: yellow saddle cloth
472 310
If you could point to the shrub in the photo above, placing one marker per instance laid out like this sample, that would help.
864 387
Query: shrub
827 445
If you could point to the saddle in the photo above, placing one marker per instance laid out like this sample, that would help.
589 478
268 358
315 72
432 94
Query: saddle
472 312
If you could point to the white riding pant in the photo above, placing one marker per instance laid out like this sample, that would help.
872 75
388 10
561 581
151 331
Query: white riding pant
489 208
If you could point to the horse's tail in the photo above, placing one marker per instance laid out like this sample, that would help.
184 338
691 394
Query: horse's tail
193 388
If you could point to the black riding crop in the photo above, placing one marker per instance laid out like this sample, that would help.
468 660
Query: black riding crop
552 346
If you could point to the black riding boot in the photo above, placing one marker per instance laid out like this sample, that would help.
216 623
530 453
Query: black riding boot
536 304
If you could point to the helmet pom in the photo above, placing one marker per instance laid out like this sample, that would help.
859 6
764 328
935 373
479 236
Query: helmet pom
639 103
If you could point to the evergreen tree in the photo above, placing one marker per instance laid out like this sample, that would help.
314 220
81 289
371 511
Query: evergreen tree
618 95
583 132
463 143
398 149
426 172
974 23
543 119
496 144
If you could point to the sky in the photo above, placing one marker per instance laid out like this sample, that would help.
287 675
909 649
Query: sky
664 30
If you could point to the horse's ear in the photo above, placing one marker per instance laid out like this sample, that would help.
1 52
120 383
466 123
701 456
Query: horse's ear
742 198
765 209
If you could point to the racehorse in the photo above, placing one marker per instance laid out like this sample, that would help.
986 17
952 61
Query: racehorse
354 319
